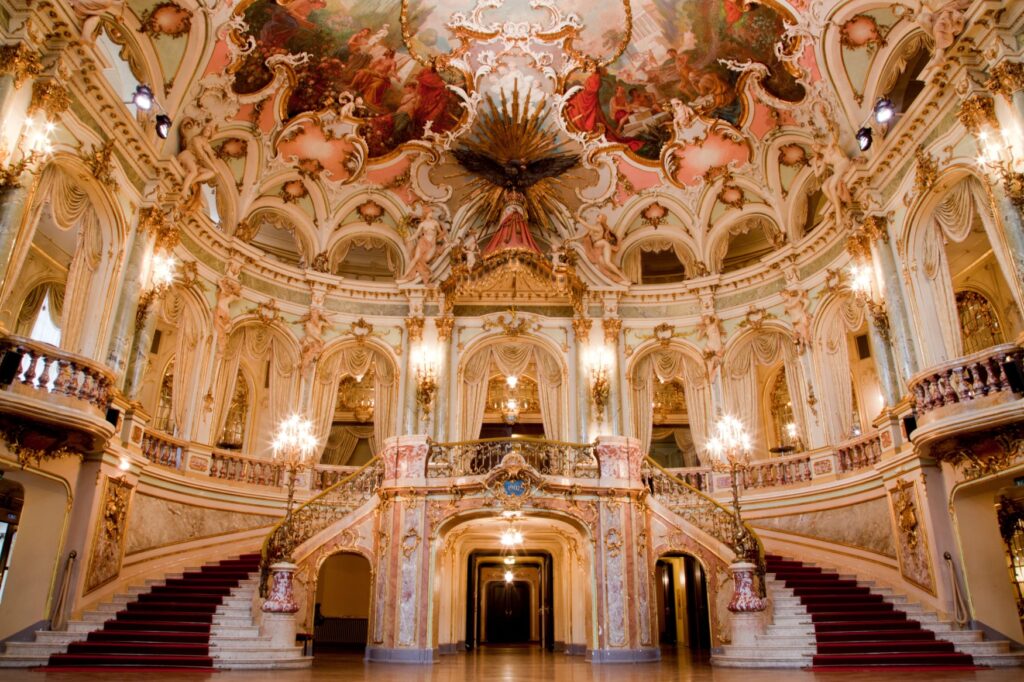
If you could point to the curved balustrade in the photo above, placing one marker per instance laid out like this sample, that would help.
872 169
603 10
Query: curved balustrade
330 506
778 471
966 379
162 449
232 467
476 457
50 370
860 453
701 511
326 475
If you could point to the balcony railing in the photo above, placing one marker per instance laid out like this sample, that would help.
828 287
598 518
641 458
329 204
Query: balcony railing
160 448
860 453
778 471
232 467
56 392
967 379
477 457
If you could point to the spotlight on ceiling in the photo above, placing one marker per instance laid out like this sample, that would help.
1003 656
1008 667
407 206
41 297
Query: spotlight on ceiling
885 110
163 126
143 97
864 138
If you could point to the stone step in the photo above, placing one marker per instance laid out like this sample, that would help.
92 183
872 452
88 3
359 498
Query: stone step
11 661
802 630
30 649
255 650
247 631
261 663
807 641
1007 660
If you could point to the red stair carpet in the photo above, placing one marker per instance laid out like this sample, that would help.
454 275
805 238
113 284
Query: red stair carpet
855 628
167 627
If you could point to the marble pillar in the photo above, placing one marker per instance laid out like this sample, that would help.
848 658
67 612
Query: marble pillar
900 329
400 629
278 621
139 356
12 211
626 620
881 352
124 318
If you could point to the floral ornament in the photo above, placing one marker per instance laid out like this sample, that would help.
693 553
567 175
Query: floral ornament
168 19
860 31
233 148
292 191
792 155
732 195
309 168
370 211
654 215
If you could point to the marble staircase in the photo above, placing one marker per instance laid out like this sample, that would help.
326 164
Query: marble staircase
789 639
234 640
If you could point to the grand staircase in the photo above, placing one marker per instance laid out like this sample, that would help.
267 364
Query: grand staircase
828 621
201 619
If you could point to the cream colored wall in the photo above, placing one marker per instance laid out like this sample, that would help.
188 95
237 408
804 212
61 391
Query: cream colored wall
343 587
36 557
983 557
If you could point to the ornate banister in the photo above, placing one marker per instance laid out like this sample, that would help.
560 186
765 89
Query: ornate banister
965 379
330 506
162 449
477 457
230 466
701 511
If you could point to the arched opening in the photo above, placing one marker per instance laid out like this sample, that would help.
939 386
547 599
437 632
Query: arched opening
747 242
366 258
341 612
780 427
900 81
12 499
163 417
656 261
671 400
41 311
232 434
681 598
961 291
533 593
491 392
349 443
274 234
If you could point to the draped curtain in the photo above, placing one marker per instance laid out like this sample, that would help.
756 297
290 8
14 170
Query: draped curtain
226 382
189 330
631 261
669 365
342 443
355 361
833 359
950 221
34 301
512 358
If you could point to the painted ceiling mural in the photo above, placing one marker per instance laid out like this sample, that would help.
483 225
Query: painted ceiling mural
569 111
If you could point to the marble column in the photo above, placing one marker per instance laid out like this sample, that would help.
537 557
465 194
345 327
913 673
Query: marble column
622 560
12 212
400 630
278 621
128 303
881 352
138 359
899 320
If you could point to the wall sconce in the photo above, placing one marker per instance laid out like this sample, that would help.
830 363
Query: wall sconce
161 276
425 368
1003 155
862 284
598 362
32 147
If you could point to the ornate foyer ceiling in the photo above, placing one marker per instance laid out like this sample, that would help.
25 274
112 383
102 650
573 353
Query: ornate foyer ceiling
702 129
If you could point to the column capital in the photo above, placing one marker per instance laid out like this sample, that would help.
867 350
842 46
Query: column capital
20 62
977 111
872 228
1007 78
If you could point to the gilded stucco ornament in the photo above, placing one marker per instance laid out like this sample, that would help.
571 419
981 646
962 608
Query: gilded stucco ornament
414 327
581 327
926 173
109 536
20 62
977 112
100 163
1007 78
50 97
444 325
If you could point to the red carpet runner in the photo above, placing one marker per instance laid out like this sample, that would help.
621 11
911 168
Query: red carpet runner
856 628
167 627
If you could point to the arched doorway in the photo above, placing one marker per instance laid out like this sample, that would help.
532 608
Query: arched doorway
681 594
543 604
341 611
12 499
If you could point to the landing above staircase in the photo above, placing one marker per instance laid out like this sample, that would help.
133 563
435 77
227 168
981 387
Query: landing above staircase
828 621
199 619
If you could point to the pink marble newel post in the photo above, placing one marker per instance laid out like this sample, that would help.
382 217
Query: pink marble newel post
278 617
746 606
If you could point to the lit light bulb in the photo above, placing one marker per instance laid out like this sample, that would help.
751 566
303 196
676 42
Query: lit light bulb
512 380
163 269
510 560
509 576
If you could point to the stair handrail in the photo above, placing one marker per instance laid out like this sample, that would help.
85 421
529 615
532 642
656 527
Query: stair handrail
548 457
319 512
58 617
960 614
704 512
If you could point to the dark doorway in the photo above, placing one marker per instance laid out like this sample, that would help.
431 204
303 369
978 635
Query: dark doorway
508 613
682 598
530 617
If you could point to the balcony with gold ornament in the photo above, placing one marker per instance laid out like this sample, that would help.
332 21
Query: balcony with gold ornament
53 403
974 393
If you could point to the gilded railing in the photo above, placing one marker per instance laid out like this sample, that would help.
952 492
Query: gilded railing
968 378
46 369
704 512
162 449
859 453
231 467
548 457
328 507
777 471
